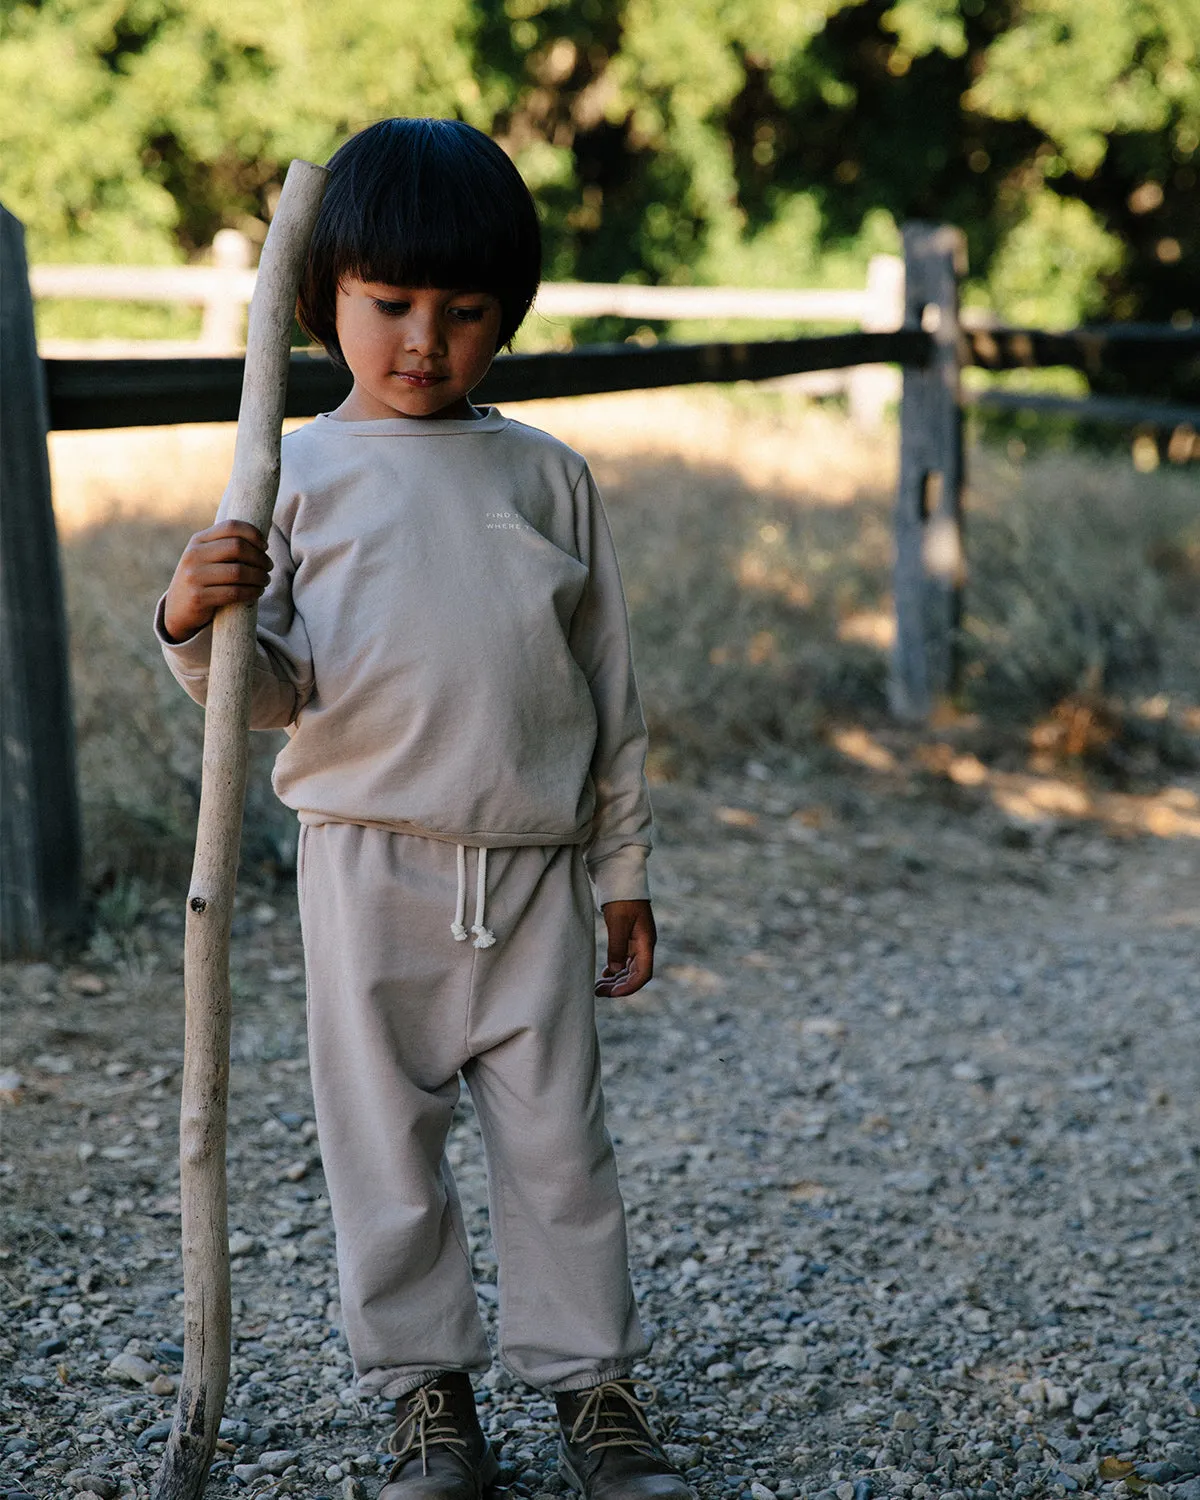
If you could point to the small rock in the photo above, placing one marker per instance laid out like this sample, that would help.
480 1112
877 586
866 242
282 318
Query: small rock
88 984
722 1370
352 1490
1089 1404
163 1385
131 1368
916 1181
233 1430
47 1347
248 1473
1188 1490
103 1485
241 1243
1158 1473
760 1492
277 1459
333 1473
157 1432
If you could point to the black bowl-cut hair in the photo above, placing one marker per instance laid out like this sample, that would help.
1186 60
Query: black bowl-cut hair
422 203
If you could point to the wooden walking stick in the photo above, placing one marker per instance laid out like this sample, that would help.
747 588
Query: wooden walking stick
202 1189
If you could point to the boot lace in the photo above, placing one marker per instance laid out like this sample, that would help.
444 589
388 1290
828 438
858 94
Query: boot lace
612 1417
425 1425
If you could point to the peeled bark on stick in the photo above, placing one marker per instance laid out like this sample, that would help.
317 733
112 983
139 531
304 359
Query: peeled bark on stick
202 1189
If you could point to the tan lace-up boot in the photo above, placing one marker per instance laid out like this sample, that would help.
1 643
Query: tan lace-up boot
441 1452
608 1451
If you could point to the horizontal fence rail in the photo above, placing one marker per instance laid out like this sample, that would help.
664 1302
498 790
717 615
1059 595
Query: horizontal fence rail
1131 348
1120 411
93 393
230 279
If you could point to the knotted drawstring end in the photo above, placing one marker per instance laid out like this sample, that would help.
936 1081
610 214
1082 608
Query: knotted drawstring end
484 936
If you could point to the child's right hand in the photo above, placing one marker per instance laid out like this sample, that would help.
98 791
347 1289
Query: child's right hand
227 564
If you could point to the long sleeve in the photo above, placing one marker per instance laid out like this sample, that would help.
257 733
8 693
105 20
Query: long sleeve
283 671
622 825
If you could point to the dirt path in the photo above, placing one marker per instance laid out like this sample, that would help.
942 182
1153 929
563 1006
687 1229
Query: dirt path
909 1129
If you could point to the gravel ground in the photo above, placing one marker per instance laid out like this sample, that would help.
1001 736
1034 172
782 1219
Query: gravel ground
908 1133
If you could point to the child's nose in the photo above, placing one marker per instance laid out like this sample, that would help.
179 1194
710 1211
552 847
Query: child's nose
424 333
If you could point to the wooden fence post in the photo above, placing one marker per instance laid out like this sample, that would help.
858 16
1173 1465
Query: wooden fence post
929 561
40 839
223 327
869 388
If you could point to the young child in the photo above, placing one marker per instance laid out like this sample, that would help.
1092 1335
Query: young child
442 633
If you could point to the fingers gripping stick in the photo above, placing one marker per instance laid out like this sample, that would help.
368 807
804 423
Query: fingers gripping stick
250 497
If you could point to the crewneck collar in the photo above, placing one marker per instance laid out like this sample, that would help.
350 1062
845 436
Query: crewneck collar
491 421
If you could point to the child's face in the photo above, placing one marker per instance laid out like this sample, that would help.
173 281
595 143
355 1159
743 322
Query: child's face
414 351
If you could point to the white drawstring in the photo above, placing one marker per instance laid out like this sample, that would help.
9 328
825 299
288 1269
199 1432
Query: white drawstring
460 909
484 937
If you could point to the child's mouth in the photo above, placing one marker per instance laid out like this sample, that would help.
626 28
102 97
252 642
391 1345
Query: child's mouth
417 378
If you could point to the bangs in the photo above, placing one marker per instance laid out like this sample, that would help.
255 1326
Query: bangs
438 226
423 203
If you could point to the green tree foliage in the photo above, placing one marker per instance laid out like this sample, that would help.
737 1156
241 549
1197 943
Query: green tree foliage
773 142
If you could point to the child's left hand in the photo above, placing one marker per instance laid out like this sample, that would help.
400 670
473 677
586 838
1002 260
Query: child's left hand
631 939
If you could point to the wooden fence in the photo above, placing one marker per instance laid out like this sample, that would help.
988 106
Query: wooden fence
39 881
223 289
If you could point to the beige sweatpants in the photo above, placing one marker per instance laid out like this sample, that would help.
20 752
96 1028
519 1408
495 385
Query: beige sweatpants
397 1012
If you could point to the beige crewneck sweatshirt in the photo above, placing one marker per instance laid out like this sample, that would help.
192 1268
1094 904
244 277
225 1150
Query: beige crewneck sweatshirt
444 638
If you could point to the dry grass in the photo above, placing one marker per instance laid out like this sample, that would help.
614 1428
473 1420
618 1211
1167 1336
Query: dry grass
754 533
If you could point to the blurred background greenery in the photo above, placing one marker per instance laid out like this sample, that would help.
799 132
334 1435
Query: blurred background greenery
755 142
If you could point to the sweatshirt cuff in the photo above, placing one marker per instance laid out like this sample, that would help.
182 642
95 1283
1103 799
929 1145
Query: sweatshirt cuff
621 875
191 655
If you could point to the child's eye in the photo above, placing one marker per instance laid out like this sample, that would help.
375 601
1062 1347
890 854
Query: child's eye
467 314
390 309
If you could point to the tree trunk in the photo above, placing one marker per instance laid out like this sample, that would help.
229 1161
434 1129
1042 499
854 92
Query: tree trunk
250 497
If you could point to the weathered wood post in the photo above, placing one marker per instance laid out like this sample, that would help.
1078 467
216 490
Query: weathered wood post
869 388
929 562
223 327
40 842
250 496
